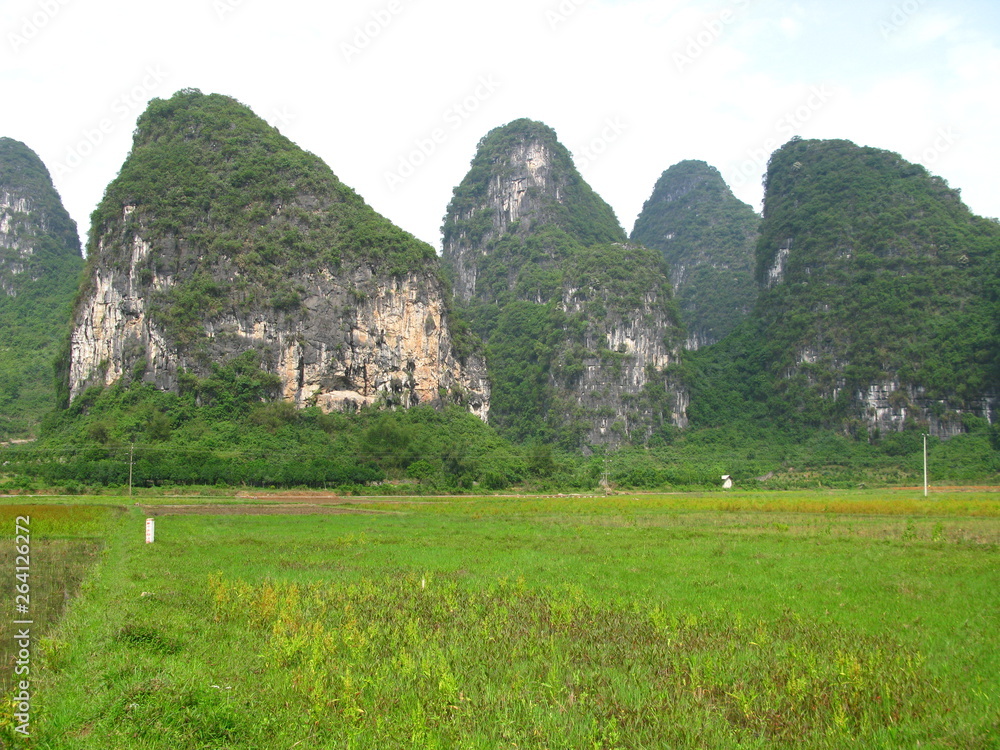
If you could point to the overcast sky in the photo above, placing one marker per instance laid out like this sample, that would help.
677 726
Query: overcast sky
395 94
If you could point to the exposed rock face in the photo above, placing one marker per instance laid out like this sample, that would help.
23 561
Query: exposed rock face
357 340
519 195
707 237
876 287
40 262
580 324
644 353
14 212
339 328
891 406
37 236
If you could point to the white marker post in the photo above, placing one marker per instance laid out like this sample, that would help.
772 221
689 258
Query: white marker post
149 531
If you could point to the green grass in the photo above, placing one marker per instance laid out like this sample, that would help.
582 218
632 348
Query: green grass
62 543
820 620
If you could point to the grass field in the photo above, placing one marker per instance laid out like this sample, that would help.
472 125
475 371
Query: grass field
725 620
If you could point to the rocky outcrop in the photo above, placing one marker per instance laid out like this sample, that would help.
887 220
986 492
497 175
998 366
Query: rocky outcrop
888 405
777 270
639 356
15 251
524 234
891 406
515 196
354 340
337 327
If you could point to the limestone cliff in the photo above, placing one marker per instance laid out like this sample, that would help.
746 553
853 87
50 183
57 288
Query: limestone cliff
580 325
707 237
40 262
220 236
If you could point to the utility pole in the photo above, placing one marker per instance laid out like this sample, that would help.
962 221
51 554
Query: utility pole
131 448
925 464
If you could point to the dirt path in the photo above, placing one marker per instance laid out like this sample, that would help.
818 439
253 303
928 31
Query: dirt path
300 509
945 488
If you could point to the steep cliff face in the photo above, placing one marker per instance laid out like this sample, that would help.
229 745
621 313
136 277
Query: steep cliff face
16 251
514 193
707 237
250 243
521 182
877 282
627 392
40 262
580 324
38 239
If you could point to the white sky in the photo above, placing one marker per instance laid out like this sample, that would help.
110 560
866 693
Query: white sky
395 94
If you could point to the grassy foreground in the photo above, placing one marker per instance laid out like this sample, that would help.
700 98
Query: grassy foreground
815 620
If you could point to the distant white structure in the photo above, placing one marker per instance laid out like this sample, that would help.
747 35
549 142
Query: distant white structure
727 482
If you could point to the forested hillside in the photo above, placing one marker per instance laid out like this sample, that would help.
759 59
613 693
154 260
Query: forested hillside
878 301
580 325
40 263
245 318
708 238
221 237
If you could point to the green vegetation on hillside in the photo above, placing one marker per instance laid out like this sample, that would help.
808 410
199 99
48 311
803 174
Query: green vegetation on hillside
876 272
39 275
229 429
887 276
707 237
226 429
234 211
549 287
541 336
888 270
